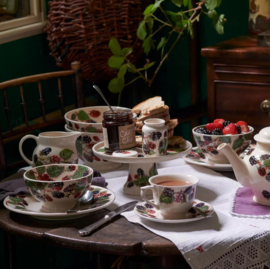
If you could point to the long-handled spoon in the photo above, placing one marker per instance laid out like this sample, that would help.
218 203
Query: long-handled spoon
101 94
87 197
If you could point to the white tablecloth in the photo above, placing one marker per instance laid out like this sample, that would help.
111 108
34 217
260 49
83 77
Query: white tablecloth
220 241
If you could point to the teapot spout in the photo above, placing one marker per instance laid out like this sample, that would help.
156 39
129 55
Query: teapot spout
239 166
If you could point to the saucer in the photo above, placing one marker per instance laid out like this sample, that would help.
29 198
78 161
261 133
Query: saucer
26 204
194 158
148 212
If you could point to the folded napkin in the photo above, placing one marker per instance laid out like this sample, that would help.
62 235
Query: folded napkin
221 241
16 186
244 206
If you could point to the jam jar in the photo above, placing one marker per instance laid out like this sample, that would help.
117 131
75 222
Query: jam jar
118 130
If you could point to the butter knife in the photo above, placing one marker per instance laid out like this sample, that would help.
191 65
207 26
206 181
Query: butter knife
88 229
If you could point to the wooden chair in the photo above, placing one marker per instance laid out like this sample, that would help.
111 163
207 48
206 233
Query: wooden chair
17 86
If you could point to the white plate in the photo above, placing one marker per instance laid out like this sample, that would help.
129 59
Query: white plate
171 155
215 166
148 212
27 205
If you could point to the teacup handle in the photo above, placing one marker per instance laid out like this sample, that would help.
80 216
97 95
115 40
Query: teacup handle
21 150
143 195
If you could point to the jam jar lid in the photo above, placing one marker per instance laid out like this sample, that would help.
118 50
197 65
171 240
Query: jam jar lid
117 113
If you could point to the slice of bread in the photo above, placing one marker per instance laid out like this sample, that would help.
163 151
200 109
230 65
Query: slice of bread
146 106
165 115
176 142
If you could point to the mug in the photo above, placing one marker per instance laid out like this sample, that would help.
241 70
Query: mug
173 194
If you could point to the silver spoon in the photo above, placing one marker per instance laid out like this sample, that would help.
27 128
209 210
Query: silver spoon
87 197
101 94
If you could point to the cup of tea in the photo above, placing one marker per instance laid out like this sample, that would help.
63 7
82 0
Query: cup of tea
173 194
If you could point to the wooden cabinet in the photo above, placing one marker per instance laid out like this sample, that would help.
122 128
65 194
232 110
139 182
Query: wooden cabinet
238 81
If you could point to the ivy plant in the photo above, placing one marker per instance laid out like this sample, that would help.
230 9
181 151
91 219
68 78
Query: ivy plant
174 22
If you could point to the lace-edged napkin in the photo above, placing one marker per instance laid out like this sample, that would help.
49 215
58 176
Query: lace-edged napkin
243 205
16 186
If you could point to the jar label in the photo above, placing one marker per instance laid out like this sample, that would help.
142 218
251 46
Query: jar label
105 137
126 136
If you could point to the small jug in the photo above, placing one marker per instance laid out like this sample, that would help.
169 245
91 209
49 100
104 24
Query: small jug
52 147
154 137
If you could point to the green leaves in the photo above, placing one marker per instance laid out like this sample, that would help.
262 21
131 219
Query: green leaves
225 139
218 21
238 143
66 154
141 31
30 174
148 43
116 61
170 24
80 172
165 199
40 170
212 4
116 85
55 170
178 3
82 116
115 47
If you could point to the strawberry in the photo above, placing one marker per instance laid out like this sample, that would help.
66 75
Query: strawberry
218 121
212 126
243 125
230 129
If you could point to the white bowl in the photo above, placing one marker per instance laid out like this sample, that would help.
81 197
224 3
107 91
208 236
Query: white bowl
207 144
84 145
87 119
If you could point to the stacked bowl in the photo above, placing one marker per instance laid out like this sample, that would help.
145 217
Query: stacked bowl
88 121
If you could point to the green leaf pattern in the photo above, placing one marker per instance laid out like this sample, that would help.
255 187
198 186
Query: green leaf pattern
209 144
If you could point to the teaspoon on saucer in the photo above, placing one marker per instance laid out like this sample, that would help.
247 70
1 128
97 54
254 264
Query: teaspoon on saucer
87 197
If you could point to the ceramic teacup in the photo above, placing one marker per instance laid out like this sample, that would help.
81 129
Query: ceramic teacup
173 194
58 186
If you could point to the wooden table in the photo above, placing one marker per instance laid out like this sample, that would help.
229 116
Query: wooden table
117 238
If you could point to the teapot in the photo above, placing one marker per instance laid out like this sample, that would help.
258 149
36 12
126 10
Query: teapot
52 147
253 170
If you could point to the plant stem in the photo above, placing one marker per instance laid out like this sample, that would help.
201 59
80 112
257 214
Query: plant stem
119 98
163 22
134 80
173 45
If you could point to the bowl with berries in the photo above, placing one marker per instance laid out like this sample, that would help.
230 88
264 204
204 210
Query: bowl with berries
209 136
58 186
87 119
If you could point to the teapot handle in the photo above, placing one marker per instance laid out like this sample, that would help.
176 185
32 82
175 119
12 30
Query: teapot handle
21 150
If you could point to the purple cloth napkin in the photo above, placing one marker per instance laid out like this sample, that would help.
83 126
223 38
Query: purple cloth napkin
16 186
244 204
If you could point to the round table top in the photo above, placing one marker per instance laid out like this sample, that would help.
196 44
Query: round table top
119 236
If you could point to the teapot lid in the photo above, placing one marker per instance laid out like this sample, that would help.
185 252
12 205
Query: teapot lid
263 136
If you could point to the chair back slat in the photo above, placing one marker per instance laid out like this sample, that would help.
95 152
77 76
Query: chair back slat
42 120
7 111
41 100
24 106
61 97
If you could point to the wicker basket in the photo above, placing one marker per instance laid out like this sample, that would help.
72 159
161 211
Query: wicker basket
80 30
